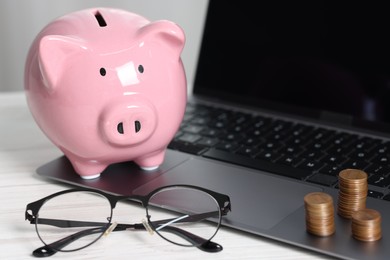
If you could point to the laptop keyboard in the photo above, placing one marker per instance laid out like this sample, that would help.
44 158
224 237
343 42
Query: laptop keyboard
295 150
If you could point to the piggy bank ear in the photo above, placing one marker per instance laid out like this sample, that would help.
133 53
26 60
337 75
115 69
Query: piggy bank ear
166 33
54 51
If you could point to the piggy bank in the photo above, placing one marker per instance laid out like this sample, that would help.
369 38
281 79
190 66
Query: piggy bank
107 85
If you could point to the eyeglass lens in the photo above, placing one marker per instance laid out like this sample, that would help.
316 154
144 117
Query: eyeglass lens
83 215
176 212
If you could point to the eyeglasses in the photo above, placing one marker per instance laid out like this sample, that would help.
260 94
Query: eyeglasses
73 219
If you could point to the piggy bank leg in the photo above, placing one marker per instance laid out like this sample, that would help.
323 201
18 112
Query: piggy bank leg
151 162
90 177
152 168
88 170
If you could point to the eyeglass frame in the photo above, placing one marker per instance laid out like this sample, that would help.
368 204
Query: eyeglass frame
207 245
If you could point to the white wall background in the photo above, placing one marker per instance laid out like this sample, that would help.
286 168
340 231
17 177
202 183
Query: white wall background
21 20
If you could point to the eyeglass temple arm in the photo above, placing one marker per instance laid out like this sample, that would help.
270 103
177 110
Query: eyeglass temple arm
199 242
48 250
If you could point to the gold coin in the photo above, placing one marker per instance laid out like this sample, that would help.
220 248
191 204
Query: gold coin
318 199
366 216
353 175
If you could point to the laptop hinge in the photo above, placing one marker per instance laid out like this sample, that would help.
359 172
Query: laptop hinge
336 118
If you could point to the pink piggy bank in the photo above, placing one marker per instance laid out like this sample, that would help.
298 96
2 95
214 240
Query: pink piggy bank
105 86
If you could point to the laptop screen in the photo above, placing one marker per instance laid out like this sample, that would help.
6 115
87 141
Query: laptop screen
315 58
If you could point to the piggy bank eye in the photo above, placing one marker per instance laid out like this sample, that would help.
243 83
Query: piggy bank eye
141 68
103 72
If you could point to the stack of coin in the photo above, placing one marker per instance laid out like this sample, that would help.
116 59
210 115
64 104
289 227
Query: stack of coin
366 225
353 191
319 214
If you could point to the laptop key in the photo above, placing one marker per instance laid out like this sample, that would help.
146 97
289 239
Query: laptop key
379 180
374 194
248 151
187 147
207 141
381 159
356 164
312 154
360 155
289 160
257 164
210 132
311 165
382 148
192 129
387 197
333 159
227 146
268 156
189 138
291 150
377 169
332 170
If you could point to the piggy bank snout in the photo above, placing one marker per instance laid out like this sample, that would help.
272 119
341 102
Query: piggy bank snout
128 124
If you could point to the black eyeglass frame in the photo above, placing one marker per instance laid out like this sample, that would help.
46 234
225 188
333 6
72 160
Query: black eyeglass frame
32 210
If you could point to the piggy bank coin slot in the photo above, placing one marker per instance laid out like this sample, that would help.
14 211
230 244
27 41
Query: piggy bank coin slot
100 19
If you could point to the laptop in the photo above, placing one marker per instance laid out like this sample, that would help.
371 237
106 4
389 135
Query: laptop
286 95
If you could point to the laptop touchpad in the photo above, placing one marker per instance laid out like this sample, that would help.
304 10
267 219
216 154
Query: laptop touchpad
251 193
